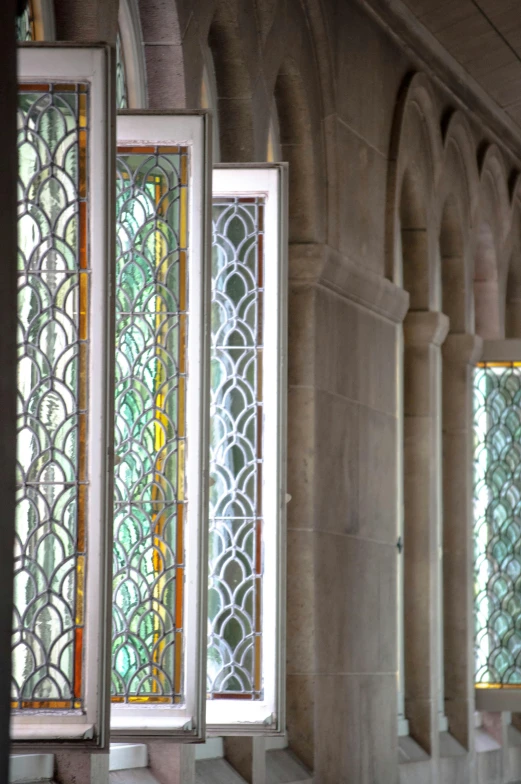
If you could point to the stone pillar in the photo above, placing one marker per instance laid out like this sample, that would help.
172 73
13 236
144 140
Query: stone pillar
8 296
344 325
171 762
460 353
92 21
424 332
247 755
81 767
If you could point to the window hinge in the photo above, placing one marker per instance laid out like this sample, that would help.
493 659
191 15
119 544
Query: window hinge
399 545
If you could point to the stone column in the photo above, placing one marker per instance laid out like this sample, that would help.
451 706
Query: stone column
460 353
344 325
86 20
424 333
8 167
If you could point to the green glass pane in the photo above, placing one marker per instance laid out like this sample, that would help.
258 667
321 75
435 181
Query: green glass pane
150 378
497 523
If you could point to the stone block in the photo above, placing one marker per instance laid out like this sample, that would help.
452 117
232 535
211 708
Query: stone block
359 743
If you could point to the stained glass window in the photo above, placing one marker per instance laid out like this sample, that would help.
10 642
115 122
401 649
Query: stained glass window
52 474
121 76
497 524
25 24
150 427
236 449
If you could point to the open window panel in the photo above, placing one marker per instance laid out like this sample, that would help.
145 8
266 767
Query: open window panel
163 193
497 529
65 431
246 587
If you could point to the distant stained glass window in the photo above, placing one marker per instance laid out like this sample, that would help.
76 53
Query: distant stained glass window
25 24
497 524
121 76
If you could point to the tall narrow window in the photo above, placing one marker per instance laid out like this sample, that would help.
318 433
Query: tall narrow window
161 422
25 24
36 22
497 530
62 522
497 503
131 90
121 75
247 479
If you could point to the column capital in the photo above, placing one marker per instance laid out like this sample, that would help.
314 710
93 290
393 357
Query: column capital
462 348
425 328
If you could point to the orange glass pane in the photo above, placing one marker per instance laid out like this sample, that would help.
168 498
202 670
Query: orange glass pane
82 207
80 590
78 663
33 88
178 686
169 150
84 305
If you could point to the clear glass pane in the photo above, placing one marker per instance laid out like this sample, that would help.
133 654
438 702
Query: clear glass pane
236 451
25 24
121 76
497 524
53 289
150 497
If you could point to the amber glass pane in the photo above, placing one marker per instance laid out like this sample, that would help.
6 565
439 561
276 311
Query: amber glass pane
150 493
51 476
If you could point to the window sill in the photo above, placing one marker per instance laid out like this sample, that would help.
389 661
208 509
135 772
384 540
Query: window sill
127 756
498 700
485 742
24 731
410 751
125 724
31 767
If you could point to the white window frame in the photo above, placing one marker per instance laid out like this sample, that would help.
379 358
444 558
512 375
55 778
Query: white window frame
185 721
91 64
499 699
131 42
266 717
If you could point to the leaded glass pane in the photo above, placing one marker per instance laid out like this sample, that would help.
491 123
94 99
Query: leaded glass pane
151 377
236 451
497 523
25 24
121 76
52 478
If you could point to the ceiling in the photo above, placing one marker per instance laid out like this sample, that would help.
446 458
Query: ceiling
484 36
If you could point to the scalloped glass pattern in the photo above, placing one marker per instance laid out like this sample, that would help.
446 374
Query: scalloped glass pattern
236 450
497 524
52 479
151 377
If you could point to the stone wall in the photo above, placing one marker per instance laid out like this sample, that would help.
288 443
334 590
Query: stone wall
398 200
